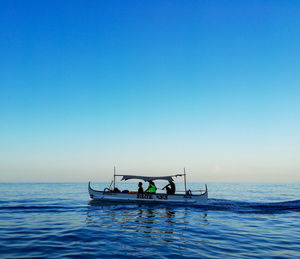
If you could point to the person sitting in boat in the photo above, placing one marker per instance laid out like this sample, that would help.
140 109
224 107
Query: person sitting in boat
140 190
116 190
171 189
151 188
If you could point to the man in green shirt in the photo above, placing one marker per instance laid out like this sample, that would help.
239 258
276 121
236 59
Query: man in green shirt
151 188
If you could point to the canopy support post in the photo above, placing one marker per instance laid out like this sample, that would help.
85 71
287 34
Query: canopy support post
184 179
114 177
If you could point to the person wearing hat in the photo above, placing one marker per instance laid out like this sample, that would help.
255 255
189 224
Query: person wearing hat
171 189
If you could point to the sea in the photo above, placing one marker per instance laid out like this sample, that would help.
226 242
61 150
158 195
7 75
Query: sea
240 220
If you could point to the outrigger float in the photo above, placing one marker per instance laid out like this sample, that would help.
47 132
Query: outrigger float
112 194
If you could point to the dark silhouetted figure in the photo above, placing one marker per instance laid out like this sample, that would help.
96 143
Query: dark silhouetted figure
171 189
140 190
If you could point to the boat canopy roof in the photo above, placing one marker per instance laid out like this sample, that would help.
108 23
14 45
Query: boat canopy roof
148 178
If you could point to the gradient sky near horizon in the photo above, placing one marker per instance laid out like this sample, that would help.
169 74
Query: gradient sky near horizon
150 87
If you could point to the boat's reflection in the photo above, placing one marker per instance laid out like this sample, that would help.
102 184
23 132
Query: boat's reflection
148 220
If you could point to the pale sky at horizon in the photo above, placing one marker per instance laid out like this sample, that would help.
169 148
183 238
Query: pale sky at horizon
150 87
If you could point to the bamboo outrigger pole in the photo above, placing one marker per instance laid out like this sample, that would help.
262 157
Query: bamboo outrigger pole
184 180
114 177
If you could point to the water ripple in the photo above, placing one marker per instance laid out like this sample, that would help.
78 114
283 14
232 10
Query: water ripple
71 227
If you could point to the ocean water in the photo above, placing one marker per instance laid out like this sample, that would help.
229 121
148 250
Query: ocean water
240 220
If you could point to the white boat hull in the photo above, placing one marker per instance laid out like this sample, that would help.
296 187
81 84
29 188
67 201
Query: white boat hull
148 197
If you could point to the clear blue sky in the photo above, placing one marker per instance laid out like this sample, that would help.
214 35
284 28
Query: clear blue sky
151 87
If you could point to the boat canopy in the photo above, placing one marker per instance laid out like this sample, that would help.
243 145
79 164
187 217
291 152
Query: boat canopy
148 178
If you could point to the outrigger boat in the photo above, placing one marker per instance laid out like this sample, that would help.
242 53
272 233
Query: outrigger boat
112 194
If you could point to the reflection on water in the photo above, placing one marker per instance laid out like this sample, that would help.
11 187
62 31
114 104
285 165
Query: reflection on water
60 222
155 224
